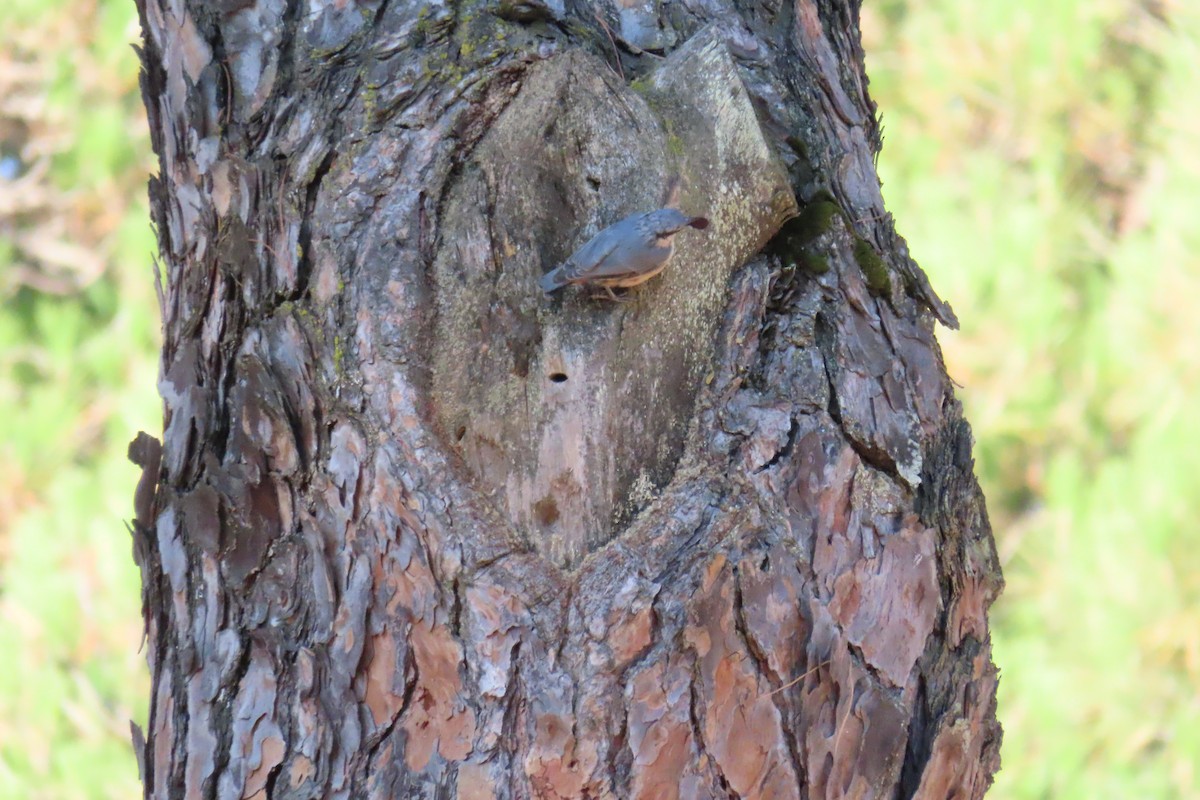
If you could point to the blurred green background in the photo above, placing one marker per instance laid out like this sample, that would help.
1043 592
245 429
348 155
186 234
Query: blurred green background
1043 160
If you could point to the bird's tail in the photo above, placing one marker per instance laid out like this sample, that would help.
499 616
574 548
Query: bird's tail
552 281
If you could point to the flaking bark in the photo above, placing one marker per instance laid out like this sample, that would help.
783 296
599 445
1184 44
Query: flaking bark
738 551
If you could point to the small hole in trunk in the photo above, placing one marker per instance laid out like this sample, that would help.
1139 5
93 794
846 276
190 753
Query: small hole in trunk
558 377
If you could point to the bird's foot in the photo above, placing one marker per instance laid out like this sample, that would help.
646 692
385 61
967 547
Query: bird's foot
624 297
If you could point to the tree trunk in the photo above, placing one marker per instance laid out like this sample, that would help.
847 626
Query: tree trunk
416 530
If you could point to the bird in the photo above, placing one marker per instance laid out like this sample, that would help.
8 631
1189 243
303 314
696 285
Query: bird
625 253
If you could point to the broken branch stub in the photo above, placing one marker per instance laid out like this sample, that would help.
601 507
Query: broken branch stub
572 412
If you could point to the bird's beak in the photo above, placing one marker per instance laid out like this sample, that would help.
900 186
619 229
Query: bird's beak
699 223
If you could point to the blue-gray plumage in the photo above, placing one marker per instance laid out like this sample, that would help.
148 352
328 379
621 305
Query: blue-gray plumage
626 253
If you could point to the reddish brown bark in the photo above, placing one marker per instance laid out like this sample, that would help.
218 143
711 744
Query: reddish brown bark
738 552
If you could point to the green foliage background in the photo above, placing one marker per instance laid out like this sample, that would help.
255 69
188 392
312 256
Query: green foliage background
1042 159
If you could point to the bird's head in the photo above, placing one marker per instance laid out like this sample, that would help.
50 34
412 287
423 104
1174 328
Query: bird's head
666 222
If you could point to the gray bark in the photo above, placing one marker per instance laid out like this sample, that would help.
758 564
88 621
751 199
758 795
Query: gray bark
415 530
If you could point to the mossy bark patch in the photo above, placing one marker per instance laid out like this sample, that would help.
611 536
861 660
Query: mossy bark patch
874 268
814 220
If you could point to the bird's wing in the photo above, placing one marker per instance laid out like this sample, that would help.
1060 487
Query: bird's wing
589 258
631 261
614 269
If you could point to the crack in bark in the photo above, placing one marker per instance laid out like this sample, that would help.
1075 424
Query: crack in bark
221 719
377 18
160 609
918 748
873 456
273 775
490 218
298 481
377 739
742 628
675 559
227 374
697 723
513 701
786 450
564 630
881 684
621 752
794 748
192 324
304 237
291 19
456 608
651 648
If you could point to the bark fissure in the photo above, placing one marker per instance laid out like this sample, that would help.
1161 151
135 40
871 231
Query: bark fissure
695 719
311 193
384 735
784 452
742 629
762 661
221 720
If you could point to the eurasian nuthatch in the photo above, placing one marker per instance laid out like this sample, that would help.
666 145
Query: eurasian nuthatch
624 254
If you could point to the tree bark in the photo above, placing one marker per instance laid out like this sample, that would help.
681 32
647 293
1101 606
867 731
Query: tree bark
416 530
